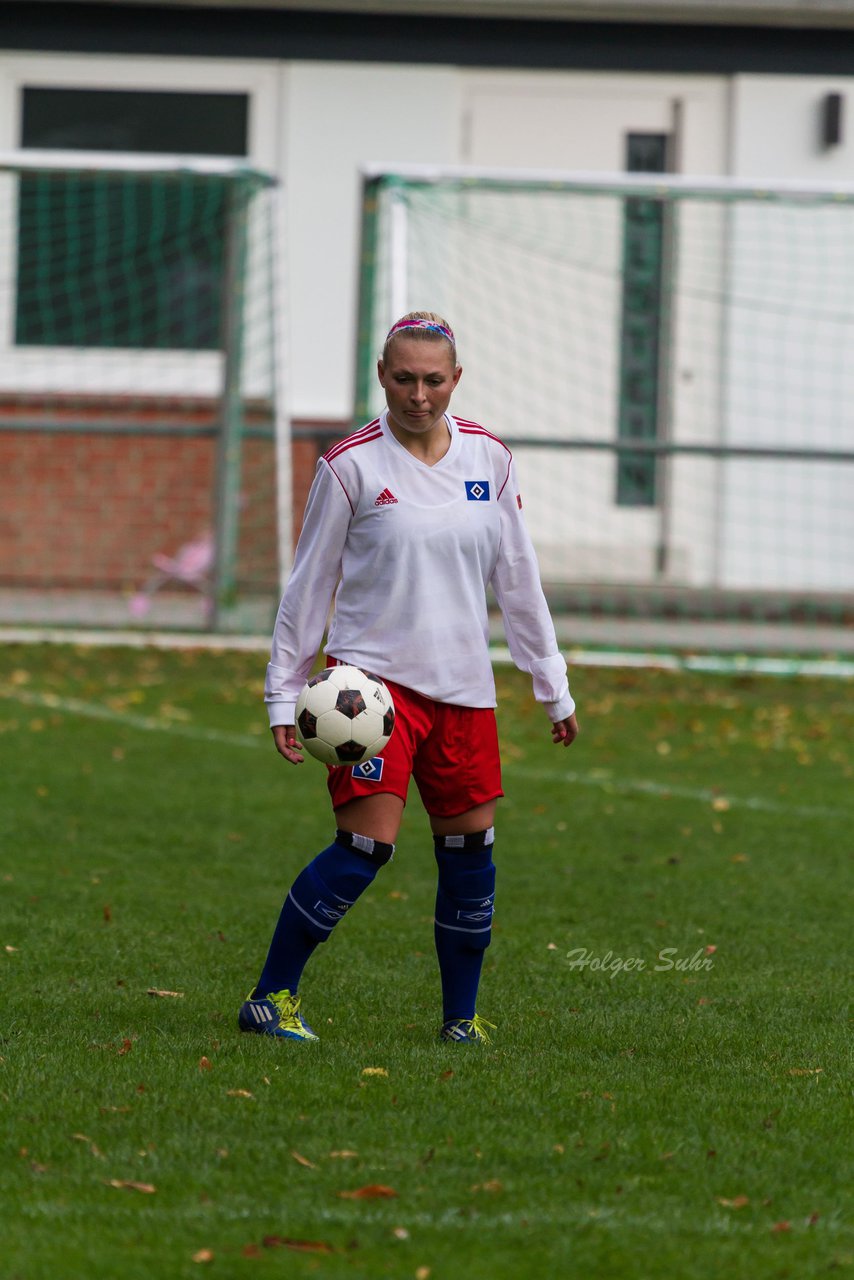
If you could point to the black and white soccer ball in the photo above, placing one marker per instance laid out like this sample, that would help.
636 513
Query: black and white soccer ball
344 715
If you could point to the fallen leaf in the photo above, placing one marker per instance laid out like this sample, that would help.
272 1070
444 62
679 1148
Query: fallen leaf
164 995
205 1064
374 1071
301 1246
720 804
203 1255
422 1273
782 1226
806 1071
551 946
446 1075
93 1146
711 949
147 1188
303 1160
813 1219
125 1047
737 1202
240 1093
251 1251
10 949
343 1155
373 1191
492 1186
400 1233
108 913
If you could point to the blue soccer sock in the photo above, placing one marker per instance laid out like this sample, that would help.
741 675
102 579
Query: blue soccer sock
320 896
464 908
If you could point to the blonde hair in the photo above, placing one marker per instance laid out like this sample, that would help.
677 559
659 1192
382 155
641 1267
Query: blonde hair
424 326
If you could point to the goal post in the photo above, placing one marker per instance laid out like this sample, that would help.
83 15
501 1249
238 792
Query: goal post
669 359
141 415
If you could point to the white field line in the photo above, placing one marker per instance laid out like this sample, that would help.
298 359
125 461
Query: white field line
149 724
603 782
134 639
644 786
708 663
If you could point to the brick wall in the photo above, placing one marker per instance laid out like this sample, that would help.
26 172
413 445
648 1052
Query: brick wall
88 509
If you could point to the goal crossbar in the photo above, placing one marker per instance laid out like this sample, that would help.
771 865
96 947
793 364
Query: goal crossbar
34 160
673 186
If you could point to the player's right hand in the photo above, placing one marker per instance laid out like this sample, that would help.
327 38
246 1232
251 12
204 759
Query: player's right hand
285 738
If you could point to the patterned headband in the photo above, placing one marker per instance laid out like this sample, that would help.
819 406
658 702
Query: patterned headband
432 325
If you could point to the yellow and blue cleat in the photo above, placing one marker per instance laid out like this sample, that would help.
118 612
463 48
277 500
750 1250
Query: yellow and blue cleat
276 1014
467 1030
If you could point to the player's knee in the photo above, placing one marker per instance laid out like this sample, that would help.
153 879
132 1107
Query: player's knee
465 899
329 886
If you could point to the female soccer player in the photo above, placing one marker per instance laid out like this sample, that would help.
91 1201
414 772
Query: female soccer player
412 518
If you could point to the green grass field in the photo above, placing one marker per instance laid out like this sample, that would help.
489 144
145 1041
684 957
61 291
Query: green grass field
635 1117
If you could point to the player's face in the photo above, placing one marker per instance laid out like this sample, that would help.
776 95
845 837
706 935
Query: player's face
418 379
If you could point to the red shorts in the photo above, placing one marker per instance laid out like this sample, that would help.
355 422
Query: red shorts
450 751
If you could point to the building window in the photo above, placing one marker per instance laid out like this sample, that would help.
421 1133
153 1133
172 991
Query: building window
124 261
640 331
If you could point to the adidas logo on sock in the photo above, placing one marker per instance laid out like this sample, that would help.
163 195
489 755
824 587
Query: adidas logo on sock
385 499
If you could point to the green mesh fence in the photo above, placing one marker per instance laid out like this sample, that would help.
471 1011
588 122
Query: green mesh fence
138 407
671 364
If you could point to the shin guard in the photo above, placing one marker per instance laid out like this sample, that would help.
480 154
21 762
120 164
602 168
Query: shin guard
463 923
321 895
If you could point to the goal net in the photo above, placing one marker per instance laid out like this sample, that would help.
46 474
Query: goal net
670 361
140 464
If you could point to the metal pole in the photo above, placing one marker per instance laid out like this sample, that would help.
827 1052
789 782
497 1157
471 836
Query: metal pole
229 439
368 257
667 320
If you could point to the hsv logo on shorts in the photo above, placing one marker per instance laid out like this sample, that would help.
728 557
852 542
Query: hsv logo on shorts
477 490
369 770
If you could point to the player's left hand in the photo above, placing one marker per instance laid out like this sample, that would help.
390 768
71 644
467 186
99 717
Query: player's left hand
285 738
565 731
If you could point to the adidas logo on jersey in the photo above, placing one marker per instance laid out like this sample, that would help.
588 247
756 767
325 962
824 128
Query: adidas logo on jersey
385 499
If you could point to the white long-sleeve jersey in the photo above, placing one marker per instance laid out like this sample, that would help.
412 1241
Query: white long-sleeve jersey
411 549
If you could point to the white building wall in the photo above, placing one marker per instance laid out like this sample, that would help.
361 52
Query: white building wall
338 116
316 123
797 271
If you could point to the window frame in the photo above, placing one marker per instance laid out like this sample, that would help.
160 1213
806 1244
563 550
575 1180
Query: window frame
67 369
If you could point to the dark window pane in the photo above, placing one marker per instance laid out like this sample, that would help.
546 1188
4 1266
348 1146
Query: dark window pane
124 260
643 236
205 124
